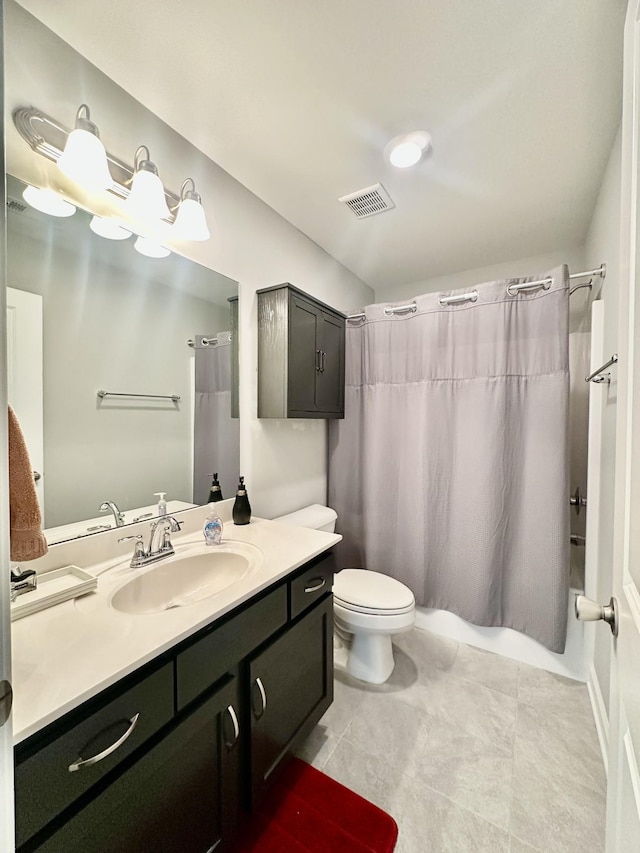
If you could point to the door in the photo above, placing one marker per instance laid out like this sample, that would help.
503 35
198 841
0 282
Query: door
623 799
24 374
330 378
304 355
6 746
291 686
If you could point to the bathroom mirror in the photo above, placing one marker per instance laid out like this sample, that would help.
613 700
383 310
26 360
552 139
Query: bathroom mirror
88 315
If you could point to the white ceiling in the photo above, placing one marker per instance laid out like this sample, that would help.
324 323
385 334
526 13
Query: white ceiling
297 98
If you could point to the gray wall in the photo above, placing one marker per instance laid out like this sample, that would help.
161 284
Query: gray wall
110 328
603 244
284 462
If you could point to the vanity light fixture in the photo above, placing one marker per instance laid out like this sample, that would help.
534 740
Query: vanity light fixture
48 201
146 196
84 158
408 149
146 200
109 228
190 222
150 248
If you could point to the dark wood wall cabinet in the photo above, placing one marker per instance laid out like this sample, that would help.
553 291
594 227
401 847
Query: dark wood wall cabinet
175 756
300 355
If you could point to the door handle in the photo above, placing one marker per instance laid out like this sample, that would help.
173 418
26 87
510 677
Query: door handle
87 762
318 360
323 360
263 698
236 728
590 611
6 701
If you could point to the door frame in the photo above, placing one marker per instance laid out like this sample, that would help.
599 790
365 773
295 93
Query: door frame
7 835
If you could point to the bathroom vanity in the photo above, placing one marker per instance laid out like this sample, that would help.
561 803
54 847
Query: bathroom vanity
174 754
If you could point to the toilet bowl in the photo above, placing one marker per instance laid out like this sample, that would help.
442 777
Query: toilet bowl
369 608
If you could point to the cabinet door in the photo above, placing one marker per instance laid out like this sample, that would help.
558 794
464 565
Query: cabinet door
291 686
330 378
181 796
304 357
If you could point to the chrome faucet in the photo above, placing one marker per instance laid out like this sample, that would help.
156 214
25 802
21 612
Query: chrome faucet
23 582
158 548
109 506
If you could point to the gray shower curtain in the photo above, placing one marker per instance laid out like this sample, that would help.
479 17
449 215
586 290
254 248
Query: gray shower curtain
450 469
216 432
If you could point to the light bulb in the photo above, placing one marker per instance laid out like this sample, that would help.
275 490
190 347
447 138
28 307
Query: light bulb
191 222
108 228
84 158
150 248
146 197
48 201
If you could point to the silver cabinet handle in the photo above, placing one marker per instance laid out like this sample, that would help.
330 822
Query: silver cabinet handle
323 361
263 698
236 728
318 360
318 583
87 762
36 475
590 611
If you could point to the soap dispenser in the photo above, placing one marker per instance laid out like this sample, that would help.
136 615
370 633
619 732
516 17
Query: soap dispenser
212 529
162 504
215 492
241 506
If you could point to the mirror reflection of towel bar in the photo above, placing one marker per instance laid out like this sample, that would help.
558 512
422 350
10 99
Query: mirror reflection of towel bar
173 397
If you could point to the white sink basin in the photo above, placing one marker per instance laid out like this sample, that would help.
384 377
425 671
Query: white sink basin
185 579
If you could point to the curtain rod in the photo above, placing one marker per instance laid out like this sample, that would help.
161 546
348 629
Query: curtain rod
600 272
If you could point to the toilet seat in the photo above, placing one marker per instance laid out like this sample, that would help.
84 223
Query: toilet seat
362 591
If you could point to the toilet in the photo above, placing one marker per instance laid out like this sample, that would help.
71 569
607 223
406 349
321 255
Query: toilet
369 608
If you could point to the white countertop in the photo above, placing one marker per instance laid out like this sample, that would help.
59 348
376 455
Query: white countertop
67 654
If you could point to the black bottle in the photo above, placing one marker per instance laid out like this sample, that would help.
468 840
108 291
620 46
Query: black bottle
215 492
241 507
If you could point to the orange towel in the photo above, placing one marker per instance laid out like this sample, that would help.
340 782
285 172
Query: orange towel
25 521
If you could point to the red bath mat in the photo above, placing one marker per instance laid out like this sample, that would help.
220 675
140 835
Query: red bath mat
308 812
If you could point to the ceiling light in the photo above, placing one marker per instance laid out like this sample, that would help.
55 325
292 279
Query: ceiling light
108 228
48 201
408 149
190 222
146 198
84 158
150 248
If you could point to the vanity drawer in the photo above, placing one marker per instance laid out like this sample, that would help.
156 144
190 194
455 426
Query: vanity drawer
314 582
220 649
44 783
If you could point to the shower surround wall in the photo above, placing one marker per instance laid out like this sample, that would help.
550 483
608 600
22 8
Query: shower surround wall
504 641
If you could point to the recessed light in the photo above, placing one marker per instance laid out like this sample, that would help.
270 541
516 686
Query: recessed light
408 149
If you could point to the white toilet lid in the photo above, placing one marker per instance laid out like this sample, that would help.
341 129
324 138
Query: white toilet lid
371 592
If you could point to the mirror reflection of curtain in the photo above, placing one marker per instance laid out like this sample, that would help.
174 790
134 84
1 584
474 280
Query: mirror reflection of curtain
216 433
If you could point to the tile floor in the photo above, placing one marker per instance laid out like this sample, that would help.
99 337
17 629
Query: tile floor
468 751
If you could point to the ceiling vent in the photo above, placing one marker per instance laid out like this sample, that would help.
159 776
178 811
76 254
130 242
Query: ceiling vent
15 206
369 201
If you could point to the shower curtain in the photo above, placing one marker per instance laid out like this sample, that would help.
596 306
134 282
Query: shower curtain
450 469
216 433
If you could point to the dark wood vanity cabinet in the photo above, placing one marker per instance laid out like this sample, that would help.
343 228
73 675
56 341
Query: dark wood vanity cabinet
216 715
301 350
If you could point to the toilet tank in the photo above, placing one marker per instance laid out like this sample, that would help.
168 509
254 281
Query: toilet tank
316 517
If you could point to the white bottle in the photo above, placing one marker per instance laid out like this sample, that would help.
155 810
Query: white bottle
162 504
212 529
